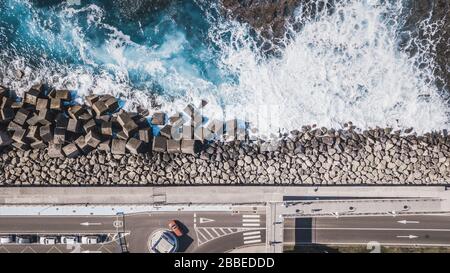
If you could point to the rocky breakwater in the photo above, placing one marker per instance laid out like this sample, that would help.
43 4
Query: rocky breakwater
47 139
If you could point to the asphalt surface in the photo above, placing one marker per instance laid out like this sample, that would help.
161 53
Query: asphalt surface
386 230
204 231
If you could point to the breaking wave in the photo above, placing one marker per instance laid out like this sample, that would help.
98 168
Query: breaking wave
348 61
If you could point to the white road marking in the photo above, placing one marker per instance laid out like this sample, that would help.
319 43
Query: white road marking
408 236
90 224
251 233
215 231
251 216
252 242
252 237
205 220
408 222
380 229
250 224
251 220
230 230
210 235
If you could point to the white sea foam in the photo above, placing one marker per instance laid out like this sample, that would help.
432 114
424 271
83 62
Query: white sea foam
339 67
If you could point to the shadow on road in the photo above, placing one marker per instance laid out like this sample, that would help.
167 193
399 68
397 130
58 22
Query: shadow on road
184 241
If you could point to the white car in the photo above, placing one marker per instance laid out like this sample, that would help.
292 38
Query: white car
47 240
69 240
6 240
23 239
89 240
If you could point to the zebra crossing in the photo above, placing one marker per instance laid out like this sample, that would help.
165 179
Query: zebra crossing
252 237
251 220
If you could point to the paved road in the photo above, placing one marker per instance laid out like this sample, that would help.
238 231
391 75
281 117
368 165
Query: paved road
387 230
205 231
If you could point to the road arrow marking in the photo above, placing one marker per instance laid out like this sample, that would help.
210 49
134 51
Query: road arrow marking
407 222
205 220
90 224
408 236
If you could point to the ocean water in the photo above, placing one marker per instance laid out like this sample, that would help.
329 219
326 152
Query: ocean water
349 62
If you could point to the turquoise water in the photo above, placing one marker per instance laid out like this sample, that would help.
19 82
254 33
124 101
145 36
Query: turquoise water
351 63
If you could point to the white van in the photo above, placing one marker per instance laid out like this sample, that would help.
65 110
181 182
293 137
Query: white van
6 240
43 240
89 240
69 240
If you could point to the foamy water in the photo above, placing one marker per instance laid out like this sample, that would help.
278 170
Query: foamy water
339 67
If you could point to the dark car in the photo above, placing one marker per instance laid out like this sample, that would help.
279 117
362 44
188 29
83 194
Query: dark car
173 226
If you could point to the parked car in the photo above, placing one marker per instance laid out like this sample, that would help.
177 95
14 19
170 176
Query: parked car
8 239
173 226
48 240
90 240
23 239
69 240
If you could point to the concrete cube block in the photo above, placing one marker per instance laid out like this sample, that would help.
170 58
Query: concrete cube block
106 128
175 118
38 144
166 131
103 118
60 94
74 125
130 128
145 135
21 116
93 139
91 99
45 132
82 145
112 104
71 150
173 146
59 135
33 120
122 135
198 133
55 150
189 110
19 135
218 127
16 105
21 146
207 134
41 104
56 104
89 125
159 118
134 145
118 146
105 146
100 108
159 144
31 96
6 113
188 132
12 126
76 111
190 146
61 121
5 139
33 133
